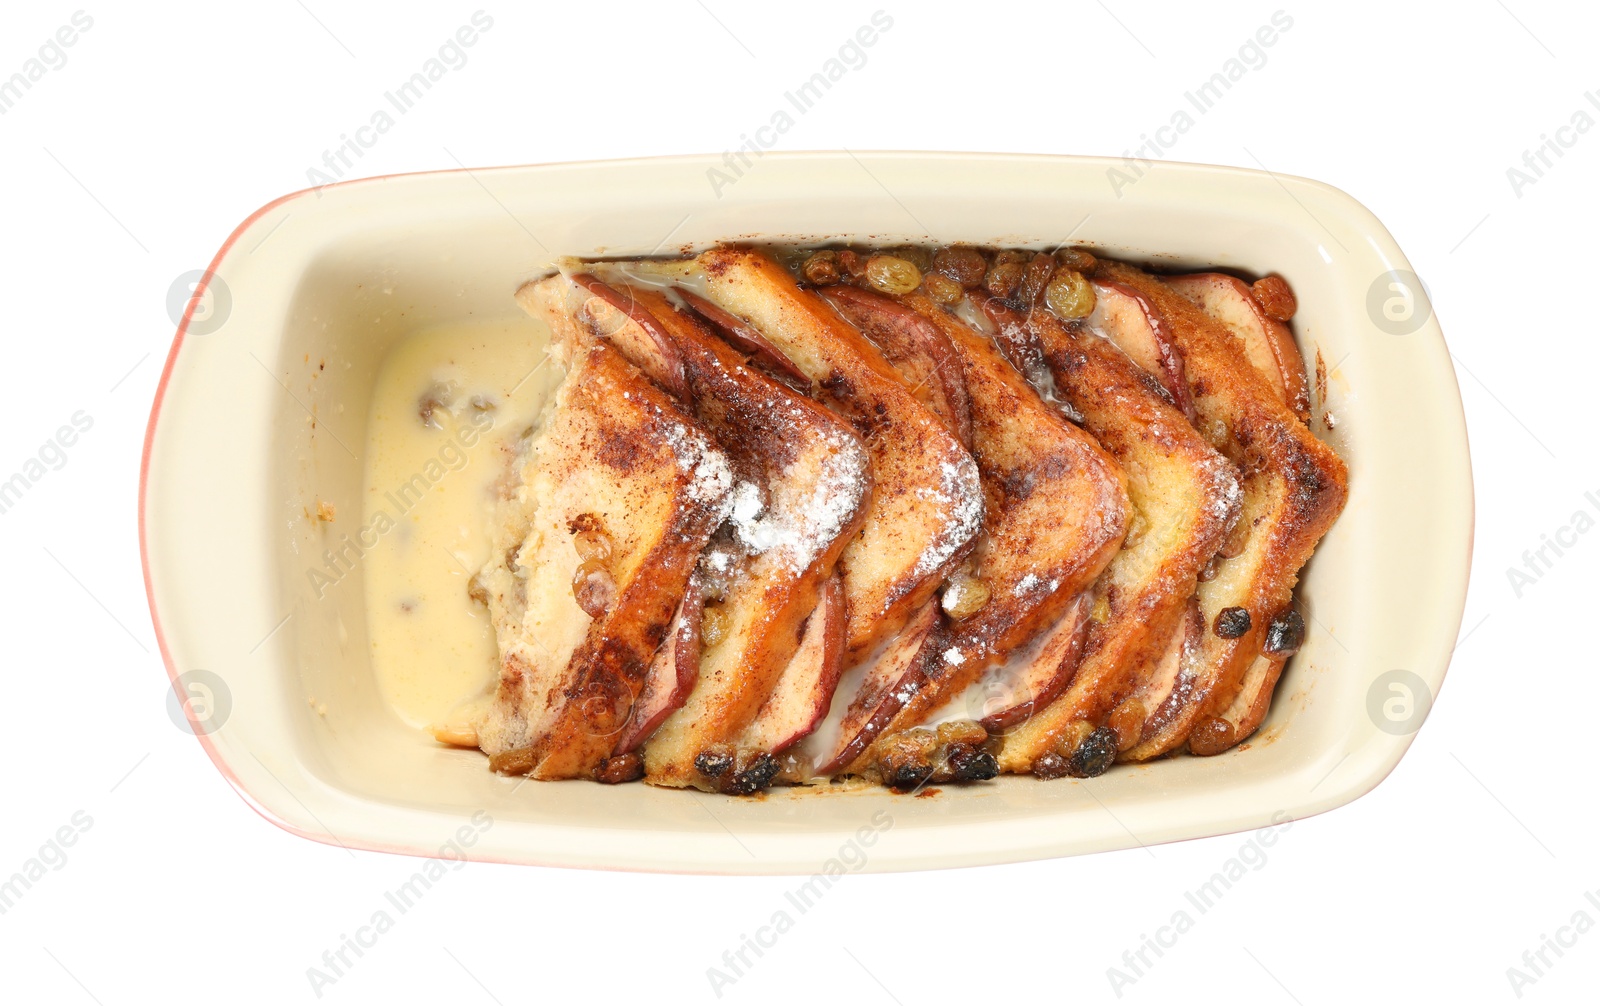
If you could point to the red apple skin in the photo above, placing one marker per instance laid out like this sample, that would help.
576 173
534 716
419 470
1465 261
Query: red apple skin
668 372
745 338
672 673
1143 336
1043 680
1267 341
912 335
883 691
818 680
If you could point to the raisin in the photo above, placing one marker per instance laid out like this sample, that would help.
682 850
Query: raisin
1231 623
755 777
964 265
619 769
1211 736
713 764
968 764
1095 755
1286 633
1050 766
821 269
1275 297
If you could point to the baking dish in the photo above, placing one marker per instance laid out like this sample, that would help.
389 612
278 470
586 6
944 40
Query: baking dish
259 416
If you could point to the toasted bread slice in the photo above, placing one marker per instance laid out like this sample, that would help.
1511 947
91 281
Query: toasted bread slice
1185 497
1294 488
1267 341
800 480
1272 351
1055 503
616 469
927 504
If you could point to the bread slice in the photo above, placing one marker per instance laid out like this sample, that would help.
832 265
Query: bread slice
1055 503
927 505
1294 488
1271 348
1267 341
800 478
618 470
1185 497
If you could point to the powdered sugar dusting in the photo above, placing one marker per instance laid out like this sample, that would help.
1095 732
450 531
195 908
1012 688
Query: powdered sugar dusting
803 516
962 497
710 476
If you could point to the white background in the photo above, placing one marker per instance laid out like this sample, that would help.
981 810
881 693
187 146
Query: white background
127 167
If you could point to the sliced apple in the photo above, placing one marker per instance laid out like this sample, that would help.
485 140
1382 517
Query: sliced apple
671 675
918 348
1162 692
805 690
660 357
1267 341
1032 677
871 693
1126 317
746 339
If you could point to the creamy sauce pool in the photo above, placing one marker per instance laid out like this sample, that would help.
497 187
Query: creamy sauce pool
447 409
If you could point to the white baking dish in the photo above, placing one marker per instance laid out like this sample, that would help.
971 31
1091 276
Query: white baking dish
323 283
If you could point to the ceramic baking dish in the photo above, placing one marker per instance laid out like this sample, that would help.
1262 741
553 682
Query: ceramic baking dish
260 414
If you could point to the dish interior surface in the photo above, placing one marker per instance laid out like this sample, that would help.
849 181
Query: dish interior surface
328 286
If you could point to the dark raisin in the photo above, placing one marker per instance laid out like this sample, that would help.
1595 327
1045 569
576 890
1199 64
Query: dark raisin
619 768
1095 755
964 265
1003 279
1050 766
1286 633
713 764
755 777
968 764
908 776
1231 623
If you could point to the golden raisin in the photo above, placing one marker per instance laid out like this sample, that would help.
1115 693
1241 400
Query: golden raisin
964 265
964 596
713 625
1275 297
893 275
1069 295
942 289
851 263
1127 722
593 588
592 544
1211 736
